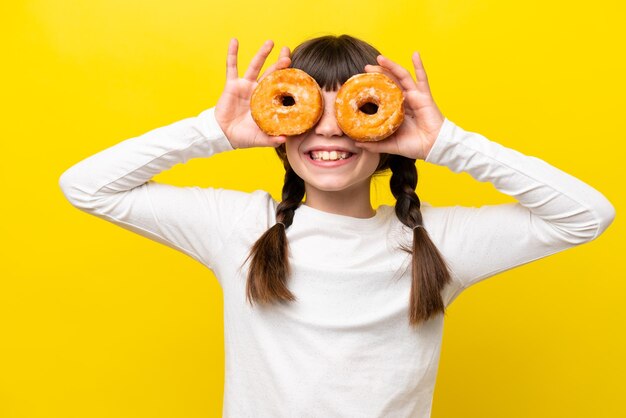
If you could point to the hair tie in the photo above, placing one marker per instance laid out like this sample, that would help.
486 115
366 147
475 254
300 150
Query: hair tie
418 226
279 222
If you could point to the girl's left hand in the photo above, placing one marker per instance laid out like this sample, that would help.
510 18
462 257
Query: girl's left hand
422 118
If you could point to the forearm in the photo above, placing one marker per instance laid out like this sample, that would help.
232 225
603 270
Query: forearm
134 161
576 211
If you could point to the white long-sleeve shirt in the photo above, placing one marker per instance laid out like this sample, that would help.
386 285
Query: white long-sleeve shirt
345 347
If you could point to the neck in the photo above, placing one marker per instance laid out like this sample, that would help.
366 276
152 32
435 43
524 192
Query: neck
354 202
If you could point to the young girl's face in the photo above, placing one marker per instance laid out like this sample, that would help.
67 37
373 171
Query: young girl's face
340 171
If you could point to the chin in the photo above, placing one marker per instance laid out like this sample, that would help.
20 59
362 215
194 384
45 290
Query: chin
330 188
333 186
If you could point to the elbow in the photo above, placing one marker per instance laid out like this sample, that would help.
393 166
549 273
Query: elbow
73 190
605 213
590 224
68 187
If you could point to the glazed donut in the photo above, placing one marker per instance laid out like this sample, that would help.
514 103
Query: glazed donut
286 102
369 107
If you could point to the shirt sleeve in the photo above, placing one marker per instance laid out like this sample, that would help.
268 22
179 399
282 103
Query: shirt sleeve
115 184
554 210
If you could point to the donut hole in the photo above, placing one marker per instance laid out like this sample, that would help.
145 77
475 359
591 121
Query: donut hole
283 99
287 100
369 108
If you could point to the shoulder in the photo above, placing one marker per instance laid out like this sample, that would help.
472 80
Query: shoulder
430 214
434 218
235 209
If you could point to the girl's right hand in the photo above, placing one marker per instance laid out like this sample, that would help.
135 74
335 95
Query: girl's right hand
232 110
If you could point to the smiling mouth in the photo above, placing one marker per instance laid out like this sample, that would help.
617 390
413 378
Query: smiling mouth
329 155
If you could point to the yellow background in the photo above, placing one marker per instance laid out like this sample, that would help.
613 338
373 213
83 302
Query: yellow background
96 321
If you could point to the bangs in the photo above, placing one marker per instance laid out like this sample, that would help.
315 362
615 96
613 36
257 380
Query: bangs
332 60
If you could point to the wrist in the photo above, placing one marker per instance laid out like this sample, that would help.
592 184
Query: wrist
225 132
429 139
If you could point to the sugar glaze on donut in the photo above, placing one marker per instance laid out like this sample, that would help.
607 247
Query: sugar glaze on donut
286 102
369 107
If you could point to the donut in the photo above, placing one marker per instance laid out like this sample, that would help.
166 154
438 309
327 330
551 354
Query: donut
286 102
369 107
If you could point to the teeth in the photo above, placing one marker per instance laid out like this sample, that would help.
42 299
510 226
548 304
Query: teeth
329 156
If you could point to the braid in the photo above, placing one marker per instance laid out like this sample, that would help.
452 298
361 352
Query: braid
269 269
402 184
293 193
429 271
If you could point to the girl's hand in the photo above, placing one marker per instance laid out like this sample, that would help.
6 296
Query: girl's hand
422 118
232 110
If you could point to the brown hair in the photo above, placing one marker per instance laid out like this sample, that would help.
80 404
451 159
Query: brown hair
331 60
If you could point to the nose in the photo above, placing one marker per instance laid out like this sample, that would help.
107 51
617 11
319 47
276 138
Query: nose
327 125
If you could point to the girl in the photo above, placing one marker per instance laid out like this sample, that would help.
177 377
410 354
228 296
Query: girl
333 308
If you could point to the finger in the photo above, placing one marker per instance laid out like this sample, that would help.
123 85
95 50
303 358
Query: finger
401 73
231 60
283 62
271 141
378 69
369 68
284 52
276 141
380 147
252 73
420 73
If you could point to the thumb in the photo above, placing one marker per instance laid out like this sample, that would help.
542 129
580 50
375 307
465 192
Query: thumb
274 141
373 146
278 140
